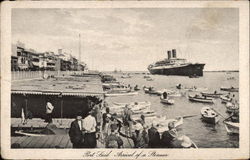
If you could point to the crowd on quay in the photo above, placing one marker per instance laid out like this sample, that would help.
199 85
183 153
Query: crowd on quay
101 125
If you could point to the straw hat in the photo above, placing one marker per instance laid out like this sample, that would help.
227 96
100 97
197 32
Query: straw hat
186 142
138 126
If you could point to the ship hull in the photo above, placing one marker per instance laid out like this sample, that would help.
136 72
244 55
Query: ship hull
188 70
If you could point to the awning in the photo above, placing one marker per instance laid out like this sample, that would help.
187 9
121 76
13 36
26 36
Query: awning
80 94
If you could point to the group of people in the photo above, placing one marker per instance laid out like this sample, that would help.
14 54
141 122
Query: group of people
116 130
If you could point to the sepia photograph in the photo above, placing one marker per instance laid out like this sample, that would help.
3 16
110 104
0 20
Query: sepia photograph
119 77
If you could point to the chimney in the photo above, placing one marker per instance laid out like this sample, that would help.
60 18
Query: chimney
174 53
169 54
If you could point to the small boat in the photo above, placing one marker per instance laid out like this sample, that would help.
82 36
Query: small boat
147 90
167 101
149 79
133 103
144 111
121 94
194 89
170 93
136 116
232 107
225 99
126 76
211 94
229 89
146 76
200 99
33 134
232 127
208 115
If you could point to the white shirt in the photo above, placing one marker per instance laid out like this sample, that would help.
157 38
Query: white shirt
49 107
80 124
89 124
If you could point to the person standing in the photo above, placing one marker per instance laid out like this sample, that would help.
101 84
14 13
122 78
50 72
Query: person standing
49 111
154 136
75 132
127 119
89 126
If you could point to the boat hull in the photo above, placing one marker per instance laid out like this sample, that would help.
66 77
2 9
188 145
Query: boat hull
187 70
211 120
232 128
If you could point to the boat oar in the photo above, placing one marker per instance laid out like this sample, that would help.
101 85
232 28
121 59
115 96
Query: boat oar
189 116
218 113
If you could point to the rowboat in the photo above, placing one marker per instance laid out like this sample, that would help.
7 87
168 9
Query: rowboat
171 93
200 99
33 134
149 79
144 111
194 89
146 77
211 94
225 99
232 107
232 127
133 103
167 101
125 76
229 89
147 90
208 115
121 94
136 116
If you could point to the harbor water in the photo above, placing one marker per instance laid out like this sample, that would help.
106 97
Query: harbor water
203 134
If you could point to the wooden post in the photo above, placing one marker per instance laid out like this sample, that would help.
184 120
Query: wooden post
61 106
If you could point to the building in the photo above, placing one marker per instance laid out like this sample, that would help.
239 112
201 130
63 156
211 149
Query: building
14 64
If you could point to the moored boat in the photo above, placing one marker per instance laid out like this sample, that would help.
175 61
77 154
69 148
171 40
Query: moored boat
208 115
200 99
229 89
232 107
134 103
225 99
114 94
212 94
232 127
167 101
149 91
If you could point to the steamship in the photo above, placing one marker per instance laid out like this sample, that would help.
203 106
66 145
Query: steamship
176 66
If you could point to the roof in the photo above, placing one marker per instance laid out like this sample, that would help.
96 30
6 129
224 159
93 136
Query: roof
65 86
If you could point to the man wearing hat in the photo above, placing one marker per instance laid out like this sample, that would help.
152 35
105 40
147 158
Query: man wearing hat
169 136
75 131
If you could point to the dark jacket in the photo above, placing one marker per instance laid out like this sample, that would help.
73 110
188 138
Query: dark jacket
75 133
167 140
154 138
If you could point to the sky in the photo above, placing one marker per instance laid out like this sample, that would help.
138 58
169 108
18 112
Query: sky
131 39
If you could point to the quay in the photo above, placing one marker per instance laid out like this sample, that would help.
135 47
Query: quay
68 94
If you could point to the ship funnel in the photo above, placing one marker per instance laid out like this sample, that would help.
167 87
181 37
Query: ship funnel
169 54
174 53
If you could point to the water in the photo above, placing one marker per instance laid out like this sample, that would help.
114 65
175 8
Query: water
203 134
